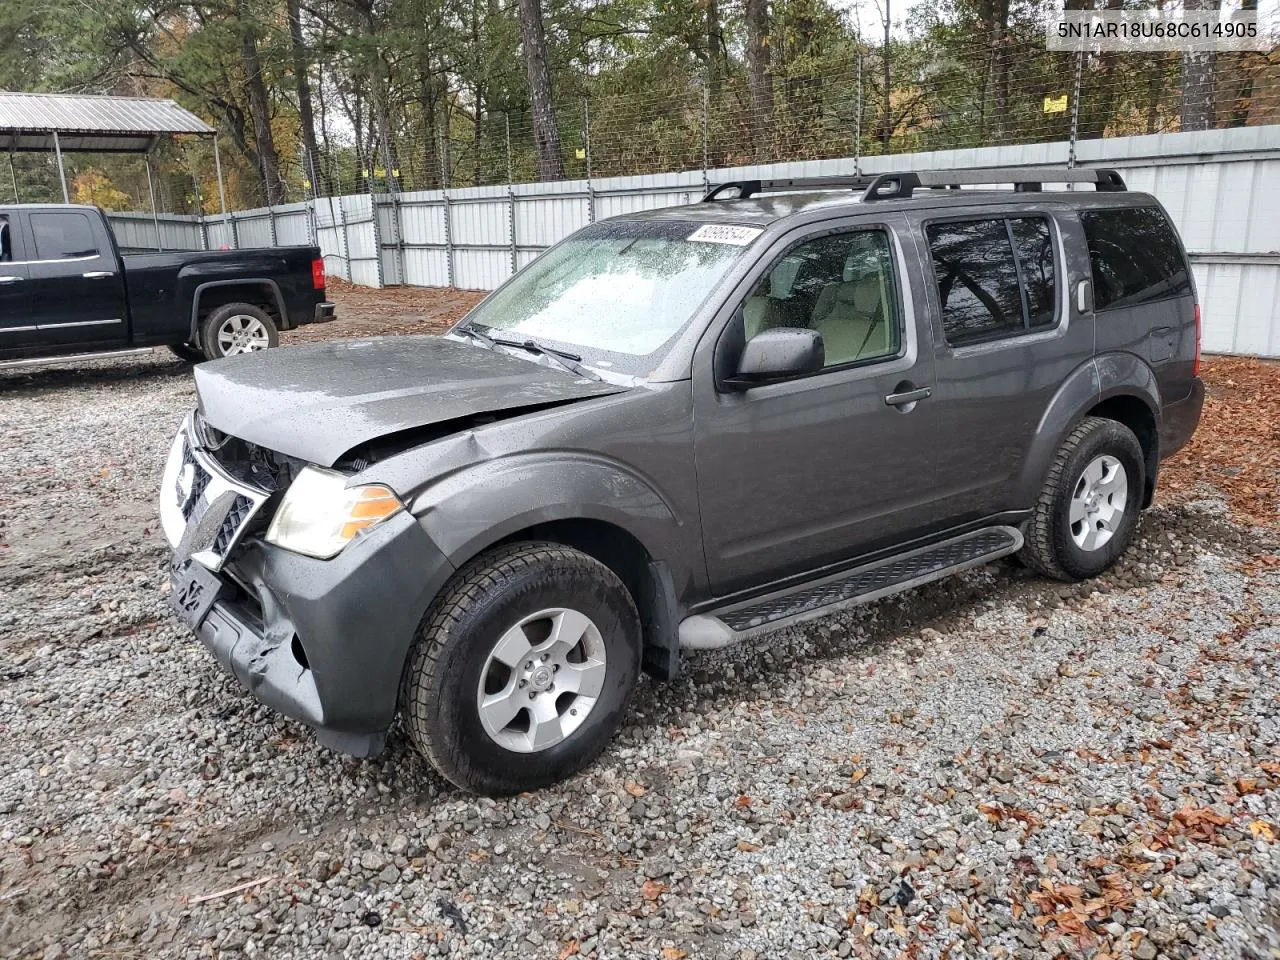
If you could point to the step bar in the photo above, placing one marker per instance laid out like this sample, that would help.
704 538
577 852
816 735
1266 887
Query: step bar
849 588
72 358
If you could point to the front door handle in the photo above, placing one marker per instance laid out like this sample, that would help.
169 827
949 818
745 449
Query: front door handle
10 279
97 274
908 396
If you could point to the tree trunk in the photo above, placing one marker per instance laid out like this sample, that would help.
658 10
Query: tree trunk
759 76
998 69
1197 80
546 135
715 50
268 160
306 115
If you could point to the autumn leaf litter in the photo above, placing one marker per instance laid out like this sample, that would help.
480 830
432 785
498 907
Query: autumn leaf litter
994 765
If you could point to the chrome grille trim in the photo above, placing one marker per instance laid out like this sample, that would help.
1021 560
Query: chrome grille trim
204 511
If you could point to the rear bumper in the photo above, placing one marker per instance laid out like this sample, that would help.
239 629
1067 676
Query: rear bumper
324 312
1178 420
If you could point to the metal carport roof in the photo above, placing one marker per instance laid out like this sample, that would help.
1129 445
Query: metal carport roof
91 124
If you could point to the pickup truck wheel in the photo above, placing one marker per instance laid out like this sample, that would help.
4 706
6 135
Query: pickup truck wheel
237 328
186 352
1088 510
522 668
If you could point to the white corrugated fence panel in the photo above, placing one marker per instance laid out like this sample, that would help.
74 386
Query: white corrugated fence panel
480 269
1238 307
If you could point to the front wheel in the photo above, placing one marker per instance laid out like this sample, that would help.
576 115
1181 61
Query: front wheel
522 669
1088 511
237 328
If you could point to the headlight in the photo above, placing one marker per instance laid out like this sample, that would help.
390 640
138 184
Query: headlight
320 514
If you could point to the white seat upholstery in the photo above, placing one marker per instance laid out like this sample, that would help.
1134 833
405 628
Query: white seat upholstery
850 317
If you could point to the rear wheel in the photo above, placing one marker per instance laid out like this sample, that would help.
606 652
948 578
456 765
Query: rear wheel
237 328
1088 511
522 668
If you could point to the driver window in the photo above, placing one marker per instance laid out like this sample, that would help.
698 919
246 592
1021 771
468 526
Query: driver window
842 286
6 250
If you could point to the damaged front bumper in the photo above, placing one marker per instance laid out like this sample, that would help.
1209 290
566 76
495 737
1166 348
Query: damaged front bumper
322 641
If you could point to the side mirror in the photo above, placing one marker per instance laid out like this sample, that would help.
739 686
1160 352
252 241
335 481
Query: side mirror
779 354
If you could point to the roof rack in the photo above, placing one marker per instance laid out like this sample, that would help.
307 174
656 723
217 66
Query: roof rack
901 185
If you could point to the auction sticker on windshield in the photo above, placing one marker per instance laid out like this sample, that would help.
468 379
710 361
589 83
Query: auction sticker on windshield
725 233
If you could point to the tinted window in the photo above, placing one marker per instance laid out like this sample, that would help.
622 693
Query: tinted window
1033 244
1135 257
842 286
6 249
977 280
60 236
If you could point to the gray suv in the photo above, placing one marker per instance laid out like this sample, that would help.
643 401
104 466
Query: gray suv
679 429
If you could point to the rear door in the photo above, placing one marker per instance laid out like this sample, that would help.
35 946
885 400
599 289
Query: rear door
1006 338
74 278
17 325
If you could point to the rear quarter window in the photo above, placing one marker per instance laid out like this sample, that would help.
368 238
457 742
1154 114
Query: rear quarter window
1135 257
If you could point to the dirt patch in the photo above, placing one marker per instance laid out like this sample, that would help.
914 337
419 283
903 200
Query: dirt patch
365 312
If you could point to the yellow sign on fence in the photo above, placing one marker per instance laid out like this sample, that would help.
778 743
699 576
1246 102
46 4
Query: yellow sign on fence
1055 104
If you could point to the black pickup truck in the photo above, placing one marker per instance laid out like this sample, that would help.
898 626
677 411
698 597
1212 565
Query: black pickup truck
65 288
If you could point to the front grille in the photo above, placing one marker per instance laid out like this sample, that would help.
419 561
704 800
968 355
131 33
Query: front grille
207 507
237 516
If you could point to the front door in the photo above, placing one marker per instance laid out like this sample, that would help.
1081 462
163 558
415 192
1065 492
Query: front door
17 326
798 474
76 287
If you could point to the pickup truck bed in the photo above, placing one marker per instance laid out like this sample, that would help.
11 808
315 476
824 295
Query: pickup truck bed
66 288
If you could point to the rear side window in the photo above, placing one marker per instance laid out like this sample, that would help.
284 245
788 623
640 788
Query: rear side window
995 277
1135 257
62 236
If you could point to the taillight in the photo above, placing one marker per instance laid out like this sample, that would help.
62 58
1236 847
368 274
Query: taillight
317 275
1195 367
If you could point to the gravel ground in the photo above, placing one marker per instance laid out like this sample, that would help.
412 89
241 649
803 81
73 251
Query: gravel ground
992 766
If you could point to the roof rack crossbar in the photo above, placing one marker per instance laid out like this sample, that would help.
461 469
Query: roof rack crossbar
899 186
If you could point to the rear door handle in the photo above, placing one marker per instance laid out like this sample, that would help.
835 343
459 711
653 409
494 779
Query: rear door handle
10 279
97 274
908 396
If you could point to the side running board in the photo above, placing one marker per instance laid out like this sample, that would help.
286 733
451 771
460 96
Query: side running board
849 588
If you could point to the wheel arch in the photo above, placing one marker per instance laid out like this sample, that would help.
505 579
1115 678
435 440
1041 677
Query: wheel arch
589 503
256 291
1118 387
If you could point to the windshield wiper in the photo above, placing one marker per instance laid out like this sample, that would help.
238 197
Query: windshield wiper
570 361
470 331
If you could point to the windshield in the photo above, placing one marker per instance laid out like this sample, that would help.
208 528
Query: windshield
616 292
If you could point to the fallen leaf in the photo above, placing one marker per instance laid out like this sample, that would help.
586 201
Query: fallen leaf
742 802
673 953
635 789
746 846
570 950
1263 830
652 889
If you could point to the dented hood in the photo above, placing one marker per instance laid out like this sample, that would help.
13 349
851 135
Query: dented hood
319 401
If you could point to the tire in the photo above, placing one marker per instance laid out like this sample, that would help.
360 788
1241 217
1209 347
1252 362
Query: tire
1082 524
186 352
237 328
475 626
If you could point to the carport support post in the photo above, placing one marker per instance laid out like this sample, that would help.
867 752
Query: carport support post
13 178
155 217
62 172
222 194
